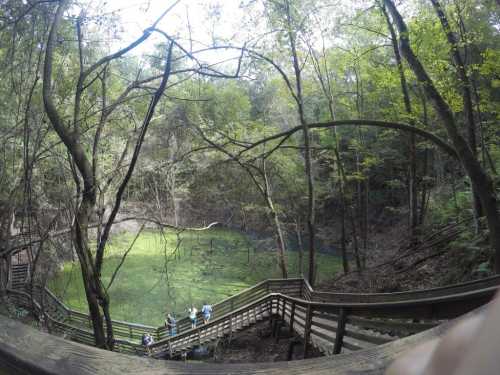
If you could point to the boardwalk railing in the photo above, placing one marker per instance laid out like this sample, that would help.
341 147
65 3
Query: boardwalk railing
331 322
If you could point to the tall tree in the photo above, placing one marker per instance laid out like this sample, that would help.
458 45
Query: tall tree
479 177
412 160
70 135
466 89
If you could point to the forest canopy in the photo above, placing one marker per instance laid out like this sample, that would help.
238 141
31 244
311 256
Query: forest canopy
318 120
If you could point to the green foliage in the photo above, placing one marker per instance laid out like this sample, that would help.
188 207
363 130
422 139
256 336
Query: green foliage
451 204
147 286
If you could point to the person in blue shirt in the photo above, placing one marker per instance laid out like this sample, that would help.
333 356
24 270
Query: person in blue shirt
207 312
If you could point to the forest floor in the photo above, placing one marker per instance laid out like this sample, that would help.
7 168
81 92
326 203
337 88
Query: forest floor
256 344
438 256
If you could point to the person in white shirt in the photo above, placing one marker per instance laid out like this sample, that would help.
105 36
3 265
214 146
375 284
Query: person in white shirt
192 315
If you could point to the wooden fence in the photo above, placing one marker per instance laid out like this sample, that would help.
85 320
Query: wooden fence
331 322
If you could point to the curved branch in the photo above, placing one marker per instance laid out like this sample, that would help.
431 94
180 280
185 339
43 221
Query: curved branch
443 145
145 125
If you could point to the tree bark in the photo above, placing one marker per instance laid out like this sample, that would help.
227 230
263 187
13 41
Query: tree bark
412 154
91 282
307 149
300 247
97 297
482 182
277 224
466 98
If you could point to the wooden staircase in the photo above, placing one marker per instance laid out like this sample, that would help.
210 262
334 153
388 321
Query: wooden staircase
19 275
332 322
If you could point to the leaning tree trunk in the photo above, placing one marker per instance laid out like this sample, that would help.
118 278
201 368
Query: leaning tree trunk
466 98
97 297
412 157
280 239
482 182
92 285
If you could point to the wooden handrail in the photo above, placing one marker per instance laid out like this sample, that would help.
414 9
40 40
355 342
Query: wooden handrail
24 350
407 295
213 323
435 304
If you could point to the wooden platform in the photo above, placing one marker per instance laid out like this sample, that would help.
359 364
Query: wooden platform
369 327
24 350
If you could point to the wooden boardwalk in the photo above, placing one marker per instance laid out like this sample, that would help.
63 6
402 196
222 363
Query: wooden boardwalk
24 350
334 323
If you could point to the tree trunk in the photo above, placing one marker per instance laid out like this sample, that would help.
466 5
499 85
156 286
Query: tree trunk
466 98
423 201
482 182
307 149
281 245
93 288
412 154
277 224
343 246
91 282
355 244
300 248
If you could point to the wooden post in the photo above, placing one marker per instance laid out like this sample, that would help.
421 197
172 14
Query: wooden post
339 338
292 317
307 329
130 331
9 272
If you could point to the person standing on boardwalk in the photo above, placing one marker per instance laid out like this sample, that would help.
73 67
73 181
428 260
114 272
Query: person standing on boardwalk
171 324
192 315
207 312
147 341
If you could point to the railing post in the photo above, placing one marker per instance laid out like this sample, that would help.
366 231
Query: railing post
307 329
283 308
130 331
9 273
339 338
292 317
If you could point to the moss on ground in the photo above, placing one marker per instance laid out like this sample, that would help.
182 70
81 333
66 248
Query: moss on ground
155 277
